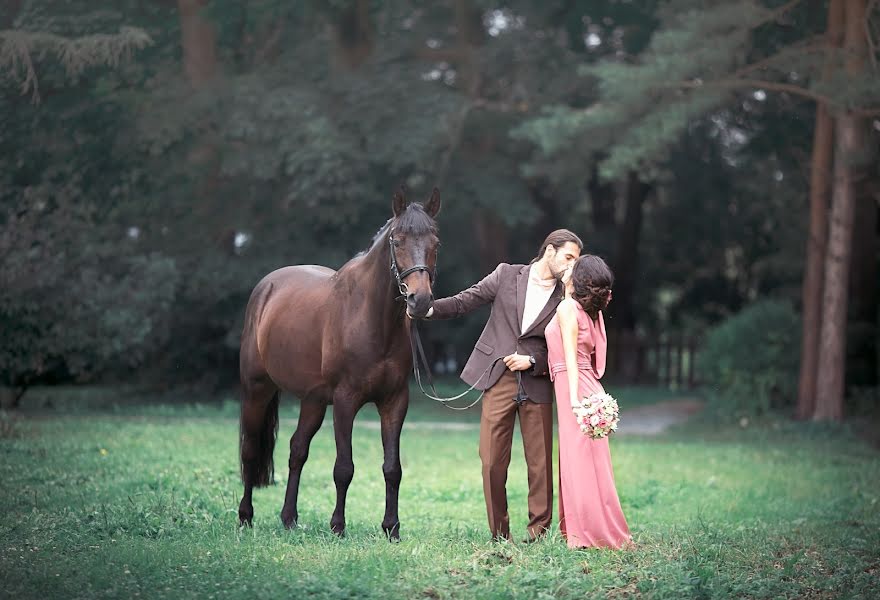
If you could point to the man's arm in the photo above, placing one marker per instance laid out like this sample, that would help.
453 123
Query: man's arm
481 293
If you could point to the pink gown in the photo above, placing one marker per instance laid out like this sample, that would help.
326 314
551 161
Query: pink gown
589 509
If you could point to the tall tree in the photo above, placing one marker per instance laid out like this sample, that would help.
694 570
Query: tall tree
820 177
199 42
647 106
849 159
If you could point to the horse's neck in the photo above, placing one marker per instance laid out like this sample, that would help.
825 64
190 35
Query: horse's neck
372 276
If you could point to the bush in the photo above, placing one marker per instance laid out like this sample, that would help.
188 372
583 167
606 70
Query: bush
73 303
749 363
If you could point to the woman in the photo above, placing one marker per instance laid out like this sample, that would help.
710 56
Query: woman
589 510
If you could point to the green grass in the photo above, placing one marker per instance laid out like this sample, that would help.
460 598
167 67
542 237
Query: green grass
139 505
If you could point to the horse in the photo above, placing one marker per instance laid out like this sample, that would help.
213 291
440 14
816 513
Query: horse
340 339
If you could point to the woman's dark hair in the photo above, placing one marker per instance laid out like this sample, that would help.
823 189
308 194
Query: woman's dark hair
558 239
592 280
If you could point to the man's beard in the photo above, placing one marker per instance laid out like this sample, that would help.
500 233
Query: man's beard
557 274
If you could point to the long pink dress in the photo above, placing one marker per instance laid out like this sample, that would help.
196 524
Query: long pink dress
589 509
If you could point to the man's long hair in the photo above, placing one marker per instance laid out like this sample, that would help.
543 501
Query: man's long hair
558 239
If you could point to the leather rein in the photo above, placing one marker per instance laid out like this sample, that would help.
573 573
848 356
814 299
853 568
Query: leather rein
418 350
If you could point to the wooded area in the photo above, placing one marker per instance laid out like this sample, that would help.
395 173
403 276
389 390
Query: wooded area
158 158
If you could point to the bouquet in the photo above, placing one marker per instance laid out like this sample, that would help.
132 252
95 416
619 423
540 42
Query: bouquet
597 415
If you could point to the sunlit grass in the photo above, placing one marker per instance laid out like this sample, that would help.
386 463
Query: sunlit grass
145 506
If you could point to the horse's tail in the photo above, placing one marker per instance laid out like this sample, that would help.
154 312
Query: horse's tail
260 471
258 424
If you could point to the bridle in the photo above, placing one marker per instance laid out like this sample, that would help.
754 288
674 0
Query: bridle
399 275
418 351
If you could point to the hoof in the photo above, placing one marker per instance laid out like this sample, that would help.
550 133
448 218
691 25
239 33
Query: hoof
392 533
245 517
338 529
289 520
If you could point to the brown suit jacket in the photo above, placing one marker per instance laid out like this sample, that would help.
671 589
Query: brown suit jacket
505 288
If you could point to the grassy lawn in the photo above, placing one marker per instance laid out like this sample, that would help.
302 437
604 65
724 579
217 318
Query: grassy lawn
141 504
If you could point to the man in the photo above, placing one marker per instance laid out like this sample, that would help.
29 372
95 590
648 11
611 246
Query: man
524 299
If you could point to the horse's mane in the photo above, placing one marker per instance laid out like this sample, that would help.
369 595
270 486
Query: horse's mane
413 221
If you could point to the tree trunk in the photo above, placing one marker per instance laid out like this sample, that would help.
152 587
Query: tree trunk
820 170
492 239
627 254
823 143
862 346
354 34
467 23
8 12
602 195
849 150
199 44
544 198
601 201
199 41
625 356
10 397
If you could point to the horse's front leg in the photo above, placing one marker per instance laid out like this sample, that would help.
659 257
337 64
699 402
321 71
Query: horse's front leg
392 413
345 408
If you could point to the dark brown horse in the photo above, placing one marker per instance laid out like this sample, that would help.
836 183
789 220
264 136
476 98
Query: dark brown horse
336 338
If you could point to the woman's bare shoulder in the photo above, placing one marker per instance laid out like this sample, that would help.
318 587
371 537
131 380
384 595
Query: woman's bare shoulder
567 308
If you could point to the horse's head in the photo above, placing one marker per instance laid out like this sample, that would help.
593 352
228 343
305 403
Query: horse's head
414 243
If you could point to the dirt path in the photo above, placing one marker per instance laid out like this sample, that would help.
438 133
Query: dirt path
644 420
652 419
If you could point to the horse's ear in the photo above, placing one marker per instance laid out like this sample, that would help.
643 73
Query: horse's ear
398 202
432 207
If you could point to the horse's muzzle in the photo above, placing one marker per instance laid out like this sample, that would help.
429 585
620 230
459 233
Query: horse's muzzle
418 304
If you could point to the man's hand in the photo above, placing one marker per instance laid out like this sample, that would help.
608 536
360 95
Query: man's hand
427 316
517 362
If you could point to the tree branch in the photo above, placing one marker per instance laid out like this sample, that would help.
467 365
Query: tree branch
758 83
452 55
776 86
814 44
775 14
75 54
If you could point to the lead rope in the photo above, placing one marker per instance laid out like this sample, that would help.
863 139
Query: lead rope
418 351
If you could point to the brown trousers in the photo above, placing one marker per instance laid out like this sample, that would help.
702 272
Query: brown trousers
496 439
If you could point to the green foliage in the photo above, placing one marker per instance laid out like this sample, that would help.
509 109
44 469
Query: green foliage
645 106
297 153
23 52
749 363
70 305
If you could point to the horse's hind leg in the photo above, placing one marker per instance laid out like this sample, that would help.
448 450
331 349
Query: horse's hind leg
258 427
310 418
